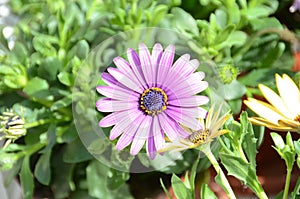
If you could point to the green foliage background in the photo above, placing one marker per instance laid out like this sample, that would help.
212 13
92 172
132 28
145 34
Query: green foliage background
52 38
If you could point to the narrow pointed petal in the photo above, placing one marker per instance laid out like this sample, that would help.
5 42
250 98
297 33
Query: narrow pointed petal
275 100
289 93
118 93
193 101
165 64
264 110
109 105
126 79
141 135
157 133
135 64
146 64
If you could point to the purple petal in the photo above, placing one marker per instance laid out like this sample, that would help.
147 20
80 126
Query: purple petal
125 123
151 150
165 64
108 79
119 117
181 62
190 68
146 64
157 133
157 51
184 119
135 64
129 133
195 112
141 135
124 141
118 93
122 64
109 105
192 101
171 128
127 79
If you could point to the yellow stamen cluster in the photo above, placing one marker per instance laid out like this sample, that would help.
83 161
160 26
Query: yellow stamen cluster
199 137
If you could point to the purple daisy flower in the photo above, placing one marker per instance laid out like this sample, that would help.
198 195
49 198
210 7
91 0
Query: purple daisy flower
149 97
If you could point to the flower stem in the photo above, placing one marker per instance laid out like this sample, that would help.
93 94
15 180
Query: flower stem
219 171
43 121
287 182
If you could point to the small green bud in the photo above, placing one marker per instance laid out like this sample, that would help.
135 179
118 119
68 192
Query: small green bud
228 73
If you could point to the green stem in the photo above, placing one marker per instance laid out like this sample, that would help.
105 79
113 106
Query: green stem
43 121
287 182
219 171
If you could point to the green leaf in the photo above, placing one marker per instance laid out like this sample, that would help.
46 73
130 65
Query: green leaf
61 185
179 188
206 192
249 141
193 174
62 103
49 68
66 78
26 179
97 175
296 193
231 91
42 170
76 152
184 21
278 141
51 138
158 14
165 189
236 38
38 88
19 53
224 34
270 22
116 179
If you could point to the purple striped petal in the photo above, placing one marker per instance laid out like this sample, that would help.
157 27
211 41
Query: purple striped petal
122 64
151 150
157 52
157 133
181 62
184 119
109 105
118 93
146 64
129 133
192 101
118 117
126 79
141 135
135 64
165 64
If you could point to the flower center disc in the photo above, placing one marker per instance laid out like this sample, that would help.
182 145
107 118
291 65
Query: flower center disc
153 101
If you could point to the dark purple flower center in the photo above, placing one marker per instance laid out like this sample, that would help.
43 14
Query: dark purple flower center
153 101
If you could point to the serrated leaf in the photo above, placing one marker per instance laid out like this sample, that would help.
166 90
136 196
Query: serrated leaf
249 141
184 21
26 179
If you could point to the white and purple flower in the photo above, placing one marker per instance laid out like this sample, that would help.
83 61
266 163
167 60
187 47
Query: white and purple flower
149 97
